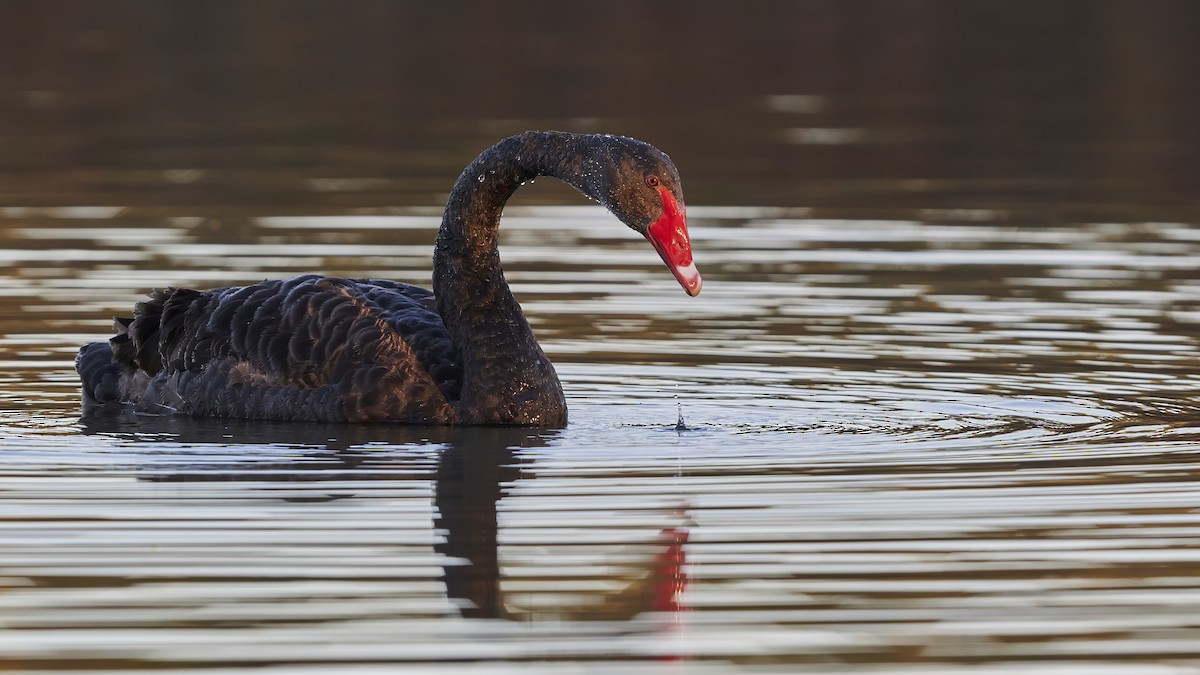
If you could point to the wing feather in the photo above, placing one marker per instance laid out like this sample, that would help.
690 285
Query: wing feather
309 347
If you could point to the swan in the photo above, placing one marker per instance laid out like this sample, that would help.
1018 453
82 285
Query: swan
371 350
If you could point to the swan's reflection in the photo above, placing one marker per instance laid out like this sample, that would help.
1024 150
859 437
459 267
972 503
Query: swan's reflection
472 475
475 467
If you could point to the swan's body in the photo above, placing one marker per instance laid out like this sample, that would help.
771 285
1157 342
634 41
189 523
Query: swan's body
359 350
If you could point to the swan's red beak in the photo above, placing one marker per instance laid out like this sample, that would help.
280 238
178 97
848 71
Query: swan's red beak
669 236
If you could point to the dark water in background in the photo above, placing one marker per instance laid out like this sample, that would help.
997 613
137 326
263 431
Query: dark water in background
940 389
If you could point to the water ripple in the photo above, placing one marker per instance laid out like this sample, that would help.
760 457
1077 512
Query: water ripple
903 443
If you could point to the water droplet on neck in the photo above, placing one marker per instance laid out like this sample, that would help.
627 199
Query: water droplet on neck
480 178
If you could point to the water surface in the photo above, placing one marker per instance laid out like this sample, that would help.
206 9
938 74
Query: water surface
904 441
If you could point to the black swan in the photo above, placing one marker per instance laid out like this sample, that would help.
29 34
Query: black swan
370 350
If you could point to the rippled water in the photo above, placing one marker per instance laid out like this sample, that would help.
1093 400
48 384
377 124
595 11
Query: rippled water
906 442
935 410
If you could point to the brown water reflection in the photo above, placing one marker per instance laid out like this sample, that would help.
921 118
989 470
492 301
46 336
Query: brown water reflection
940 390
1054 110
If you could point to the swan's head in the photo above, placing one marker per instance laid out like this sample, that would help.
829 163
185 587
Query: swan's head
640 185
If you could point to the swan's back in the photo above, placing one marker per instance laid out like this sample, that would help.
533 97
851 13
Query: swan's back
306 348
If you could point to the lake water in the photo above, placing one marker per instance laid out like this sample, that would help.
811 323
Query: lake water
935 409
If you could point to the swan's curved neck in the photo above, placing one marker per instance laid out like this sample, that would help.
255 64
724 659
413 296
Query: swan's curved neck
507 379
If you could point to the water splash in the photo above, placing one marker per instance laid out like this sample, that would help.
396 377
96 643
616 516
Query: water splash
680 425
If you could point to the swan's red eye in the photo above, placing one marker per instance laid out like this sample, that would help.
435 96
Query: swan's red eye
652 181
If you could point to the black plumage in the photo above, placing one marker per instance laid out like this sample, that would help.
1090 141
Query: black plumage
353 350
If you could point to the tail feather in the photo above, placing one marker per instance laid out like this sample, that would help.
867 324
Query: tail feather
121 345
144 332
161 332
182 317
99 374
